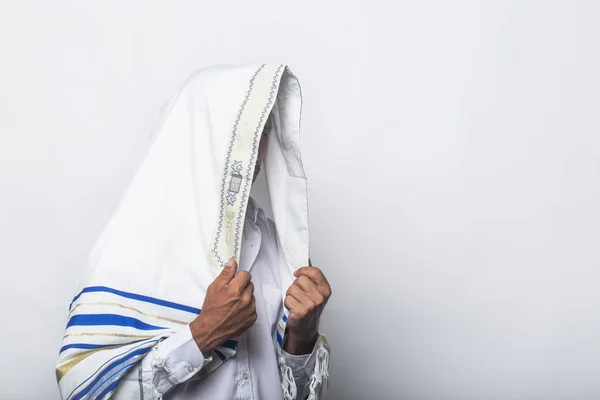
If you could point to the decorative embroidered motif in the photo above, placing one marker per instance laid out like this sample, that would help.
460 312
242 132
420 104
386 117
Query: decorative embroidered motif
224 180
249 170
229 194
234 183
229 226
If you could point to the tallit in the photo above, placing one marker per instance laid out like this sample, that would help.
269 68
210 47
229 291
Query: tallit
181 219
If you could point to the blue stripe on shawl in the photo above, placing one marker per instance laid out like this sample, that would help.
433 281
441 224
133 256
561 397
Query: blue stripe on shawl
82 346
89 346
221 355
108 368
110 319
284 318
121 370
118 355
279 339
108 389
134 296
230 344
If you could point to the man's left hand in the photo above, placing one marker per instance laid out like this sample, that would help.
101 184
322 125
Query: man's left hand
306 299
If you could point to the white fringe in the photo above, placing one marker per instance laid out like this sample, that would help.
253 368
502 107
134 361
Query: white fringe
317 379
287 378
320 373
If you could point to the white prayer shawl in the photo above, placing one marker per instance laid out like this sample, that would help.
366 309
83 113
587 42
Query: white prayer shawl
179 222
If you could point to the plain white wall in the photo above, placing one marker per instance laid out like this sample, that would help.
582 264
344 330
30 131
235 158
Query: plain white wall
453 154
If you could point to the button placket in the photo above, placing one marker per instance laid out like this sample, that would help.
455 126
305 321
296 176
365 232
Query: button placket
244 384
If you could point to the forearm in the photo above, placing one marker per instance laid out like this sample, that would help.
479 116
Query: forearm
300 344
206 336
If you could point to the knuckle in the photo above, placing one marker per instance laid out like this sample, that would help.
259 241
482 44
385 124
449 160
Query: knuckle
245 301
244 274
304 279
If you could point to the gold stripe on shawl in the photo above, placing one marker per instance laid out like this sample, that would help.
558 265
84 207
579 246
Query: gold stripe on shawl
108 303
109 334
62 369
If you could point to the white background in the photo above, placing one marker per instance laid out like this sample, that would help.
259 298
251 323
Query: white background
453 155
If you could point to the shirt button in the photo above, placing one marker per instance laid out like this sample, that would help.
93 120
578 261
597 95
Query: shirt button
190 369
245 376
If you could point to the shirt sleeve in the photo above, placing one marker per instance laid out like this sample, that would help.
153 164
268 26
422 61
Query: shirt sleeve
299 364
172 361
176 360
305 366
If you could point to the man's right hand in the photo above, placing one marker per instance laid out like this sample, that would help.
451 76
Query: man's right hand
228 310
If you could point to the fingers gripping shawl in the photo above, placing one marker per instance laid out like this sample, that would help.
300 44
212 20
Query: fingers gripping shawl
179 222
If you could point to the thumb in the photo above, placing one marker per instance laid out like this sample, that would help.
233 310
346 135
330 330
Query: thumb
229 271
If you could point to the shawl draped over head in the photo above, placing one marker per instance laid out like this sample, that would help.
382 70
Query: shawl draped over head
181 219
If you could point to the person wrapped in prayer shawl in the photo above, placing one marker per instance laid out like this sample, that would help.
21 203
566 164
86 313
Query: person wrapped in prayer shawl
190 291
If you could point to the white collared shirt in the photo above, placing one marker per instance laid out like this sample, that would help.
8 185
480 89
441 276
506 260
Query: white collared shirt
174 368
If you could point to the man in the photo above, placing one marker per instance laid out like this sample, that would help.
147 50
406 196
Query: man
134 330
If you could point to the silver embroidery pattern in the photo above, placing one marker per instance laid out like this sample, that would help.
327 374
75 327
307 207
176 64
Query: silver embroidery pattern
235 182
224 180
229 193
255 143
